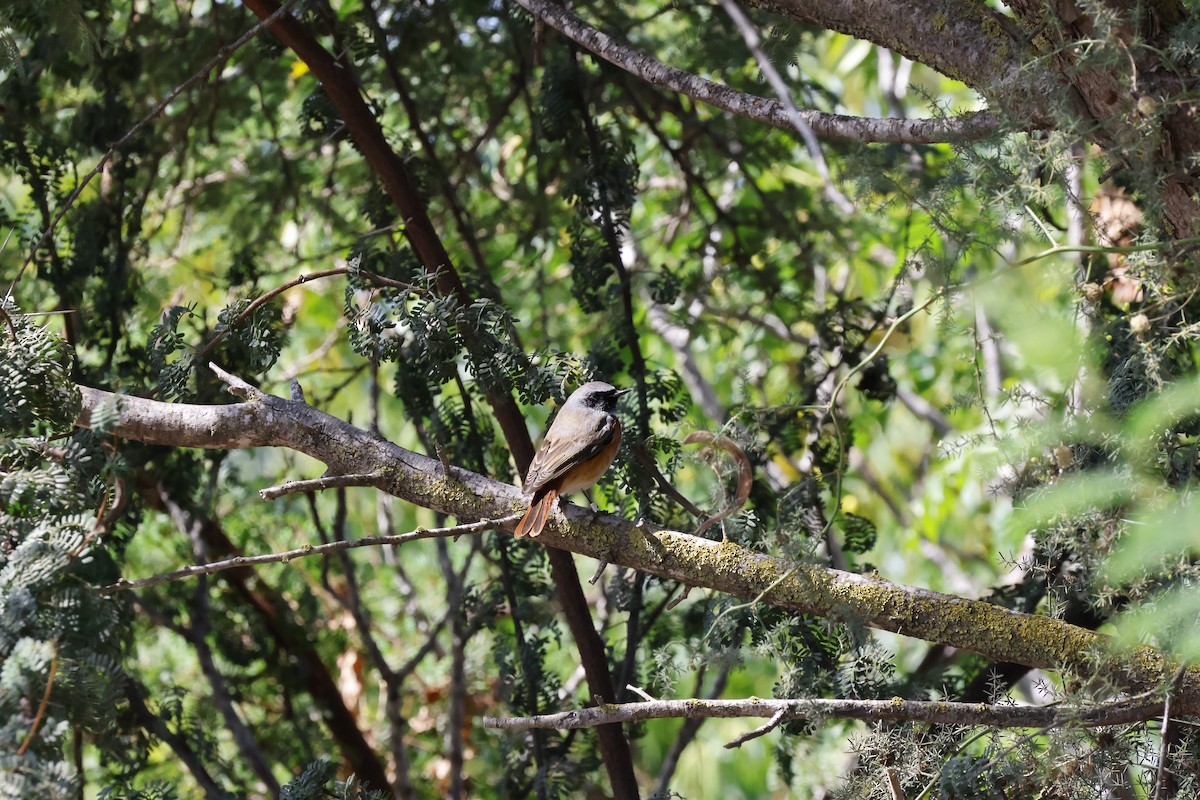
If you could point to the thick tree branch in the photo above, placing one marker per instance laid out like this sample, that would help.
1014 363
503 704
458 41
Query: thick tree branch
1032 65
974 125
364 128
1111 98
897 710
992 631
961 39
369 137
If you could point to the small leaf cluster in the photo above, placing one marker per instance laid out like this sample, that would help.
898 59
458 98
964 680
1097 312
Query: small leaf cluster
314 783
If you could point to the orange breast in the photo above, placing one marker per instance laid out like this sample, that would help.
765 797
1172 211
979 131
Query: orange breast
584 475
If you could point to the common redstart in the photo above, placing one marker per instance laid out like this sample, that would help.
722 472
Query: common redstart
579 447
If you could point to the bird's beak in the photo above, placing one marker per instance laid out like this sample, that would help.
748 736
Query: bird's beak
620 392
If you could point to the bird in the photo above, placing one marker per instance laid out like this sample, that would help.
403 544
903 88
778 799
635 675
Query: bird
579 447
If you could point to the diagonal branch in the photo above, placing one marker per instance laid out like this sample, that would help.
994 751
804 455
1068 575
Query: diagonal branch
338 546
976 125
994 632
753 41
275 615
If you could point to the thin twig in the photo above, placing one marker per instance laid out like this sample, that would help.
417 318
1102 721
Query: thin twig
237 386
761 730
457 700
312 276
12 328
259 301
751 602
745 475
324 482
1095 248
308 550
640 692
750 35
431 642
665 485
1160 773
689 729
944 713
41 710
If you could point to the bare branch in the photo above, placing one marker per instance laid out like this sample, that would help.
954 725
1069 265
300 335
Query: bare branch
994 632
319 484
761 730
640 692
896 710
1164 784
975 125
12 328
753 42
310 550
255 304
43 705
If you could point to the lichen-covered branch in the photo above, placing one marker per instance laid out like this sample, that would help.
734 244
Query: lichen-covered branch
1036 641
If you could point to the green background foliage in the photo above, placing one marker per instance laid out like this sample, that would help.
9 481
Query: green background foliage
925 389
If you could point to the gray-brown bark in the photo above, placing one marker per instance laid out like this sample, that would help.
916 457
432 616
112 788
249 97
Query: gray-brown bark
835 126
961 39
1035 641
1034 68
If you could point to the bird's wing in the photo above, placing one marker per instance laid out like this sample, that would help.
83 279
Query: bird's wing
566 446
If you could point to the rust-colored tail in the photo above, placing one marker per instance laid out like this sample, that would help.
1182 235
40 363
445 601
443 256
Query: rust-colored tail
539 511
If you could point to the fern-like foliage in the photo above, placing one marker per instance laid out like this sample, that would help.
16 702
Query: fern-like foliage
60 645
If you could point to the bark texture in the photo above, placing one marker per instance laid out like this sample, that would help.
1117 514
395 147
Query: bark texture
1051 64
992 631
